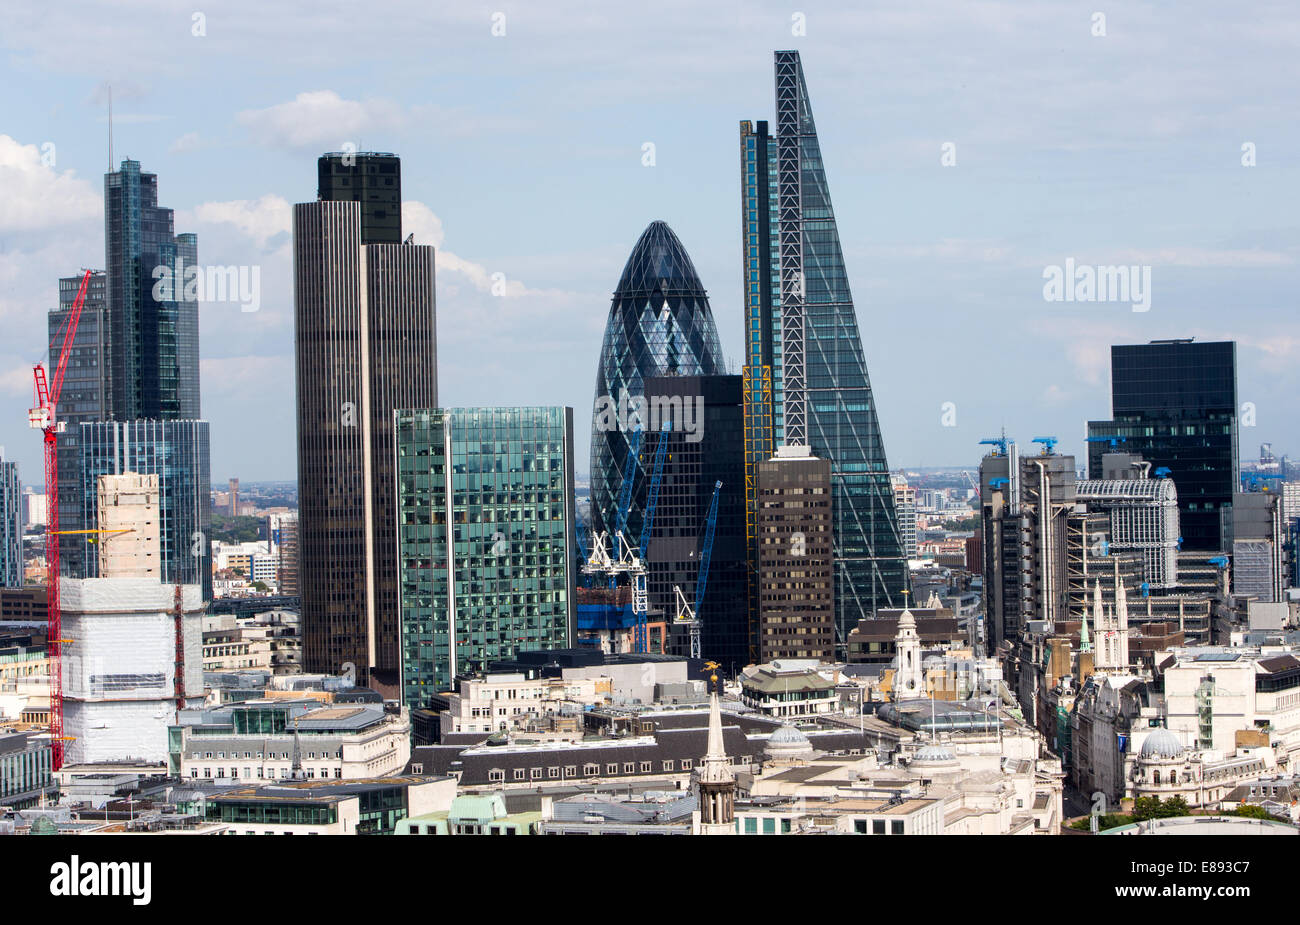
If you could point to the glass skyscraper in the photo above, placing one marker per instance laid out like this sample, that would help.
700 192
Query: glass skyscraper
1174 403
132 381
177 452
485 521
694 462
805 379
85 398
11 525
659 325
153 343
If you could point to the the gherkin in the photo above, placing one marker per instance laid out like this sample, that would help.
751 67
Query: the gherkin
659 325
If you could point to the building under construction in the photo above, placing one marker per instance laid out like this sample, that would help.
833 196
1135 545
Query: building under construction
128 644
606 621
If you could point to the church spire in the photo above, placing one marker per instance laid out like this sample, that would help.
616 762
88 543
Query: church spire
713 780
716 767
1085 643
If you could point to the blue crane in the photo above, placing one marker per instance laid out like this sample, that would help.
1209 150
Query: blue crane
629 476
685 612
1049 444
706 551
580 534
1113 441
999 442
1256 477
653 498
1162 472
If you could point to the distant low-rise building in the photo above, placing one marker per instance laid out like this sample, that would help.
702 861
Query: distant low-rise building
369 806
297 739
788 688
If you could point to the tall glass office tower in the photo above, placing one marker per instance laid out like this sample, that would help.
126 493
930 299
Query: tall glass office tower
659 324
85 398
484 520
11 525
1175 404
153 343
805 379
132 387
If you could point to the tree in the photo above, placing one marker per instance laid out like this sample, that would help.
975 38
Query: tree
1254 811
1174 806
1145 808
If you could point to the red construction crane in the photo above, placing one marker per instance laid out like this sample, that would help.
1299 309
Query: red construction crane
43 419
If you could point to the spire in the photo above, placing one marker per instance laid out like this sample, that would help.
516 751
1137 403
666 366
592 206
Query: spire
1121 605
716 767
715 730
1085 643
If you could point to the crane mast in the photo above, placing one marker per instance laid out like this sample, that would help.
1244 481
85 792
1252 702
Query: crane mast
42 417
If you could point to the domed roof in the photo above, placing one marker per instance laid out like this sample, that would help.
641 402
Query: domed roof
1162 744
659 324
787 742
934 754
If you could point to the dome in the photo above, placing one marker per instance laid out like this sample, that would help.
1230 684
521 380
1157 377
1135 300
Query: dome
934 754
659 324
788 742
1161 744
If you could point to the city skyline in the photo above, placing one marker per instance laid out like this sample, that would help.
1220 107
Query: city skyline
939 255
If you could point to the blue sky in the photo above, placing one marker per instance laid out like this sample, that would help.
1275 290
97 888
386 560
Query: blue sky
522 155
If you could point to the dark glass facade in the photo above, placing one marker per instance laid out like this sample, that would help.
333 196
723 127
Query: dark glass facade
1175 404
131 396
153 343
84 398
485 539
365 345
372 180
693 463
177 452
659 324
806 373
11 525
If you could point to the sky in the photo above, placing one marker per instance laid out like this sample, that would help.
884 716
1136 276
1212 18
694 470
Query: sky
969 147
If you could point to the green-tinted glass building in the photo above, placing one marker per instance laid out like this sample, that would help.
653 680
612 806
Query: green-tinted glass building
485 537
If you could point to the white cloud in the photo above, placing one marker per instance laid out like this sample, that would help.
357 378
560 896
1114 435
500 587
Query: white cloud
258 219
37 196
185 144
320 118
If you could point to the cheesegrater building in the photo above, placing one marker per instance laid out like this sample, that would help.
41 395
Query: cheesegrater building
805 378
